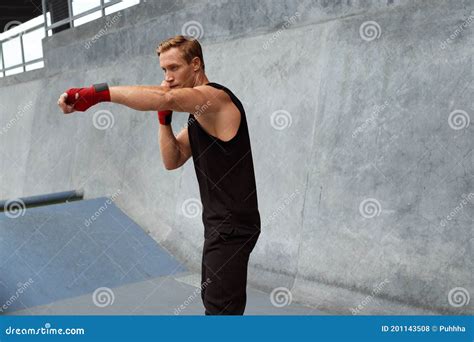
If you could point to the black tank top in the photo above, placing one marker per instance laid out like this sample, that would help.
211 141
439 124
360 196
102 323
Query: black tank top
225 174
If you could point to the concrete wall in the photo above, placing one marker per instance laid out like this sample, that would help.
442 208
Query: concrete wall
364 178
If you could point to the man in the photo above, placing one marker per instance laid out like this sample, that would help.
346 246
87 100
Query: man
218 140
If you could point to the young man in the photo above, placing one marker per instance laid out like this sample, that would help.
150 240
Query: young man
218 140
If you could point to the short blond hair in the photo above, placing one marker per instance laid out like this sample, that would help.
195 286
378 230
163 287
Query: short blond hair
188 45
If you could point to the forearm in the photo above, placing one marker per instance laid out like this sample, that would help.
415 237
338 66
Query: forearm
169 147
143 98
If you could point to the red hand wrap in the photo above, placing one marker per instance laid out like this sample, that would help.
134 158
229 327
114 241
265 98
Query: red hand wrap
165 117
88 96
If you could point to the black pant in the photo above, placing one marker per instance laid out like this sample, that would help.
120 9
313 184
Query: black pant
224 269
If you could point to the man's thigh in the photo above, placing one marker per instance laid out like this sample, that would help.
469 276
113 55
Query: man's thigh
225 263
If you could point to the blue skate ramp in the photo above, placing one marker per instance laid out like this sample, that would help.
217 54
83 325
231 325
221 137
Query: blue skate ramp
61 251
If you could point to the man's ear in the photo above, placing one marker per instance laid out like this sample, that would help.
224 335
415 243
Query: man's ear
196 63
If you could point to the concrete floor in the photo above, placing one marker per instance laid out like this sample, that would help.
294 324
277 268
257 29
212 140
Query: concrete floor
65 263
165 295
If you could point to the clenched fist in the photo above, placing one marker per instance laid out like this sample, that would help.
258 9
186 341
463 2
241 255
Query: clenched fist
81 99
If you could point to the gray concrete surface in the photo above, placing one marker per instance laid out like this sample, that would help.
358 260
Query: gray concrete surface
89 258
362 163
166 295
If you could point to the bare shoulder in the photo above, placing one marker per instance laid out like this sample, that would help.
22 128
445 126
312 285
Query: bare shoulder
215 94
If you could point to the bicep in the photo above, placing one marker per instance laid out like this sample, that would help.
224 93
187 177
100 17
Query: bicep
184 146
201 99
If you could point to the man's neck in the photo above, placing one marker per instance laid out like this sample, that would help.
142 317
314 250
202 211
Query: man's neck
201 79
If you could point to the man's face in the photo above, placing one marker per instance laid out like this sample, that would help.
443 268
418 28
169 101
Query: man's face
178 73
